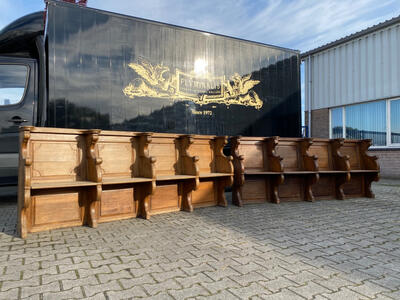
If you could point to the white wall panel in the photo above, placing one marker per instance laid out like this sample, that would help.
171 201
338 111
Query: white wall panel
360 70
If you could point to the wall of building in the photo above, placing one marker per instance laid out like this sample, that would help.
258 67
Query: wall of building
364 69
389 161
319 123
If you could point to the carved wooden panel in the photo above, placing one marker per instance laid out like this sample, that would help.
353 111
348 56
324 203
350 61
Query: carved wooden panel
255 191
351 149
325 187
116 203
53 160
164 150
118 158
290 156
204 195
292 189
355 187
203 150
253 156
57 209
322 151
165 199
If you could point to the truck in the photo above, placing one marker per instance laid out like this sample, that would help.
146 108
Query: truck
80 67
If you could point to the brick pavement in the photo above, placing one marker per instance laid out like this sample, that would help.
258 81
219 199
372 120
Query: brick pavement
324 250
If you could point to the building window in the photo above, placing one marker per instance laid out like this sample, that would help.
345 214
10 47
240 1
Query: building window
378 121
395 121
367 121
337 122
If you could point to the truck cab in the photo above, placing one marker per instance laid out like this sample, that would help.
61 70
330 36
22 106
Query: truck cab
19 91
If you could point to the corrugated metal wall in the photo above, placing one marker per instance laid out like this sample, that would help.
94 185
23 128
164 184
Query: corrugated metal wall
363 69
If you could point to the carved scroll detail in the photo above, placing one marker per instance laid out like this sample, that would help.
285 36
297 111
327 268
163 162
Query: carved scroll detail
369 163
147 170
189 166
24 180
223 164
146 162
274 160
238 171
341 162
93 174
310 162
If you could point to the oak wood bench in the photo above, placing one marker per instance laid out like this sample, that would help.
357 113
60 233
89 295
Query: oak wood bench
258 170
215 170
300 169
364 168
333 168
59 181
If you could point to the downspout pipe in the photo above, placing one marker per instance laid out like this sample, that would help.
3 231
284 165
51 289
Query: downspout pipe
309 95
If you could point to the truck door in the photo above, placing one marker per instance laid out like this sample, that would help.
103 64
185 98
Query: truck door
17 95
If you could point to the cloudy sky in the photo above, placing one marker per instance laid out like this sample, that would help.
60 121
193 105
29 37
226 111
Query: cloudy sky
297 24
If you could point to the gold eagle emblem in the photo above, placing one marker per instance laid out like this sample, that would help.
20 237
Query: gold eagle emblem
157 81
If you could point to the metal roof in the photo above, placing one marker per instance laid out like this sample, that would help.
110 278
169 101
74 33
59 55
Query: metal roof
350 37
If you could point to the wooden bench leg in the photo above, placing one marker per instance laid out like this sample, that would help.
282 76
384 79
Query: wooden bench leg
236 196
94 197
220 186
187 188
368 178
275 181
24 201
310 180
143 193
340 180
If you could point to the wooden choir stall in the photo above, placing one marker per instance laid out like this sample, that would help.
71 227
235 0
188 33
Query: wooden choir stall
73 177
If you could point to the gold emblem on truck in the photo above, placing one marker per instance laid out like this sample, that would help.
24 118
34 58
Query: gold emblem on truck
157 81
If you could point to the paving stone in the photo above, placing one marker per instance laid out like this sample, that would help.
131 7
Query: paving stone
91 290
344 293
247 292
194 291
153 289
138 281
51 278
10 294
104 278
74 293
7 285
335 283
279 283
130 293
368 289
283 295
28 291
222 295
245 280
217 286
309 290
347 250
188 281
68 284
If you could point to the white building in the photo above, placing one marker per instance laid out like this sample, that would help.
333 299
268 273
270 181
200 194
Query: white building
352 90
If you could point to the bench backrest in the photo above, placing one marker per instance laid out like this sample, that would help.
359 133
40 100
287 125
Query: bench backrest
164 147
57 155
117 151
352 149
288 149
322 149
203 148
252 149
